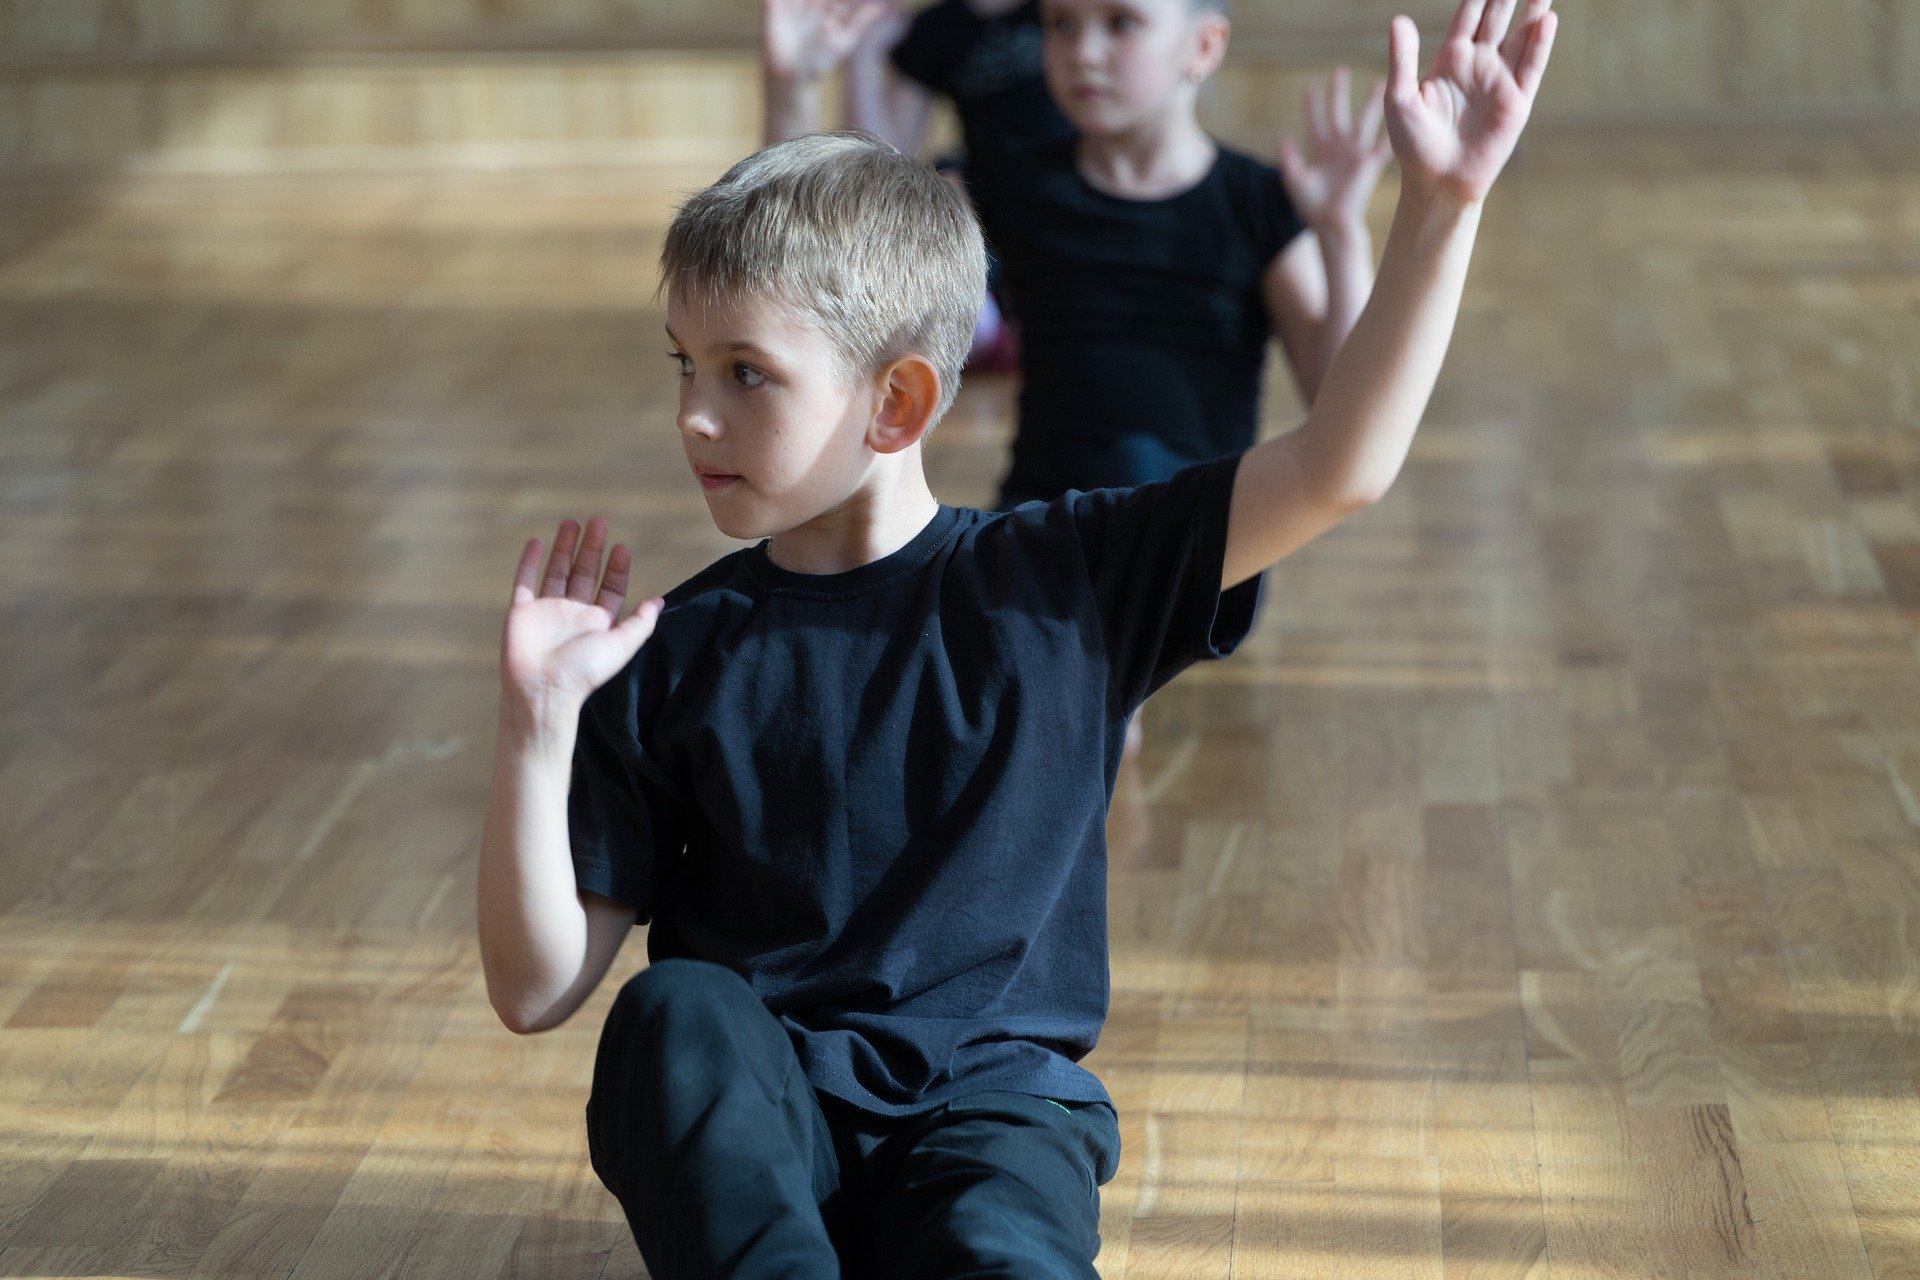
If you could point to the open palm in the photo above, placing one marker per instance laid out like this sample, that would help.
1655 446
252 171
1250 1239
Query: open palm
808 38
1331 179
1455 129
563 636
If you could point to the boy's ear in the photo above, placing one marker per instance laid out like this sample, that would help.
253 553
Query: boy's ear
1210 45
910 397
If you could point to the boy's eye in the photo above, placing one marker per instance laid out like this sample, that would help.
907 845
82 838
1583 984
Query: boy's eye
748 376
1123 23
682 365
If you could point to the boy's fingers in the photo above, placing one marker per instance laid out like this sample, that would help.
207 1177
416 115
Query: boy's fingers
528 571
561 562
1289 154
1371 113
1493 27
586 565
1466 20
639 624
1514 47
1403 56
1340 94
1316 115
613 588
1533 64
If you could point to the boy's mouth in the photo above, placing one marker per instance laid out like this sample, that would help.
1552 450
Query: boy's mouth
714 479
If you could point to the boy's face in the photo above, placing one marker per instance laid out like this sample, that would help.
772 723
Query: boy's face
772 430
1113 65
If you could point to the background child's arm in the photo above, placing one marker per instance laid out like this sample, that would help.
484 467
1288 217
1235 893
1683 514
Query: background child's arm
1315 289
800 42
879 100
1452 132
543 944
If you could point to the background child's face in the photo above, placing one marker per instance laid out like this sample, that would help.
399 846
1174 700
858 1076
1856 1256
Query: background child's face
772 429
1115 64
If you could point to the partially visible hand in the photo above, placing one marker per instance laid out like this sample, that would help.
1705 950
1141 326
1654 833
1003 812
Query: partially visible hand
805 39
1332 181
885 31
1454 130
563 636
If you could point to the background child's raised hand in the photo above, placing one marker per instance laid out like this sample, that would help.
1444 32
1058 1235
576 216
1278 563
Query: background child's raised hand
1454 130
805 39
563 636
1331 181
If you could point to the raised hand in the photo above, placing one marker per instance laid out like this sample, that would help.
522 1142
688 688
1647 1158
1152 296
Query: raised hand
1454 130
563 636
1331 182
805 39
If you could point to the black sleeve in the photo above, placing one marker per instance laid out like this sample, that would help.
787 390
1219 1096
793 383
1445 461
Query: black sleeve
626 822
936 40
1154 555
1275 221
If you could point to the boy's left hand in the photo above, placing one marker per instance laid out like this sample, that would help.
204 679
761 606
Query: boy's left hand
1331 182
1454 130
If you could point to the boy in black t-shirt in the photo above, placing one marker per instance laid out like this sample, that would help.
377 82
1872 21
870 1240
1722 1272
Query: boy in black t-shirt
1147 265
855 775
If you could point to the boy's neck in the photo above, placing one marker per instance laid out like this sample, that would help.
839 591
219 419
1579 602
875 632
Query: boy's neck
882 516
1155 159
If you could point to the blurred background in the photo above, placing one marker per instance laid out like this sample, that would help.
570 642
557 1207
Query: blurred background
1537 892
257 84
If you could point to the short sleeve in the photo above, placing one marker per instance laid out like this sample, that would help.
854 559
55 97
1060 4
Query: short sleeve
936 40
1155 555
1275 221
625 823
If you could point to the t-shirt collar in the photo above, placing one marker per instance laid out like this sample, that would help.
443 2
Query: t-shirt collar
763 570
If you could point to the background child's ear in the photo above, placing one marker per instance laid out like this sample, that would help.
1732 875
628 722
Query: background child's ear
910 399
1211 31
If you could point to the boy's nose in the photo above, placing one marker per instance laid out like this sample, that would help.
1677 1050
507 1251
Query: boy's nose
694 422
1089 49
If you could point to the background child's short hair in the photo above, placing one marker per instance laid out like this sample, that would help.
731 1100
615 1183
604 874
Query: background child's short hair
874 247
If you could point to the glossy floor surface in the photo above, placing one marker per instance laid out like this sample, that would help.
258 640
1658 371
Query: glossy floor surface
1537 894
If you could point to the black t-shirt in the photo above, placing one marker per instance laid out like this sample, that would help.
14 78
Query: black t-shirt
880 796
989 67
1142 328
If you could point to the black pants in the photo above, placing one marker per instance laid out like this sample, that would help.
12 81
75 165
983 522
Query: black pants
729 1164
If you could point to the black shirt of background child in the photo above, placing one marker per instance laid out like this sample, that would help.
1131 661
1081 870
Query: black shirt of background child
990 69
1142 327
880 796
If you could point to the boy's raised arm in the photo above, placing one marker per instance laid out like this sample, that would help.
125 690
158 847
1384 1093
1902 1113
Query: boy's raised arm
543 944
1452 132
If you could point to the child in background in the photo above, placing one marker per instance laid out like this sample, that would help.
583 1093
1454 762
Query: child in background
1147 266
855 775
984 57
981 55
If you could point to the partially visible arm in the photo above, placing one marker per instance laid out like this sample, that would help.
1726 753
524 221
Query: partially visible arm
1315 288
792 106
878 99
1453 133
1313 293
800 42
543 943
1290 490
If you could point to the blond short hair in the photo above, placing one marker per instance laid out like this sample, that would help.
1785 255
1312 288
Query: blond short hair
872 246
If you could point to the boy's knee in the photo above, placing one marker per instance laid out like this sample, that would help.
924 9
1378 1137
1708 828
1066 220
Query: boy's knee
672 989
667 984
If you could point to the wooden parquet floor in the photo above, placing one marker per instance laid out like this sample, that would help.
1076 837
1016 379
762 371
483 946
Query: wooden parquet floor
1536 895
